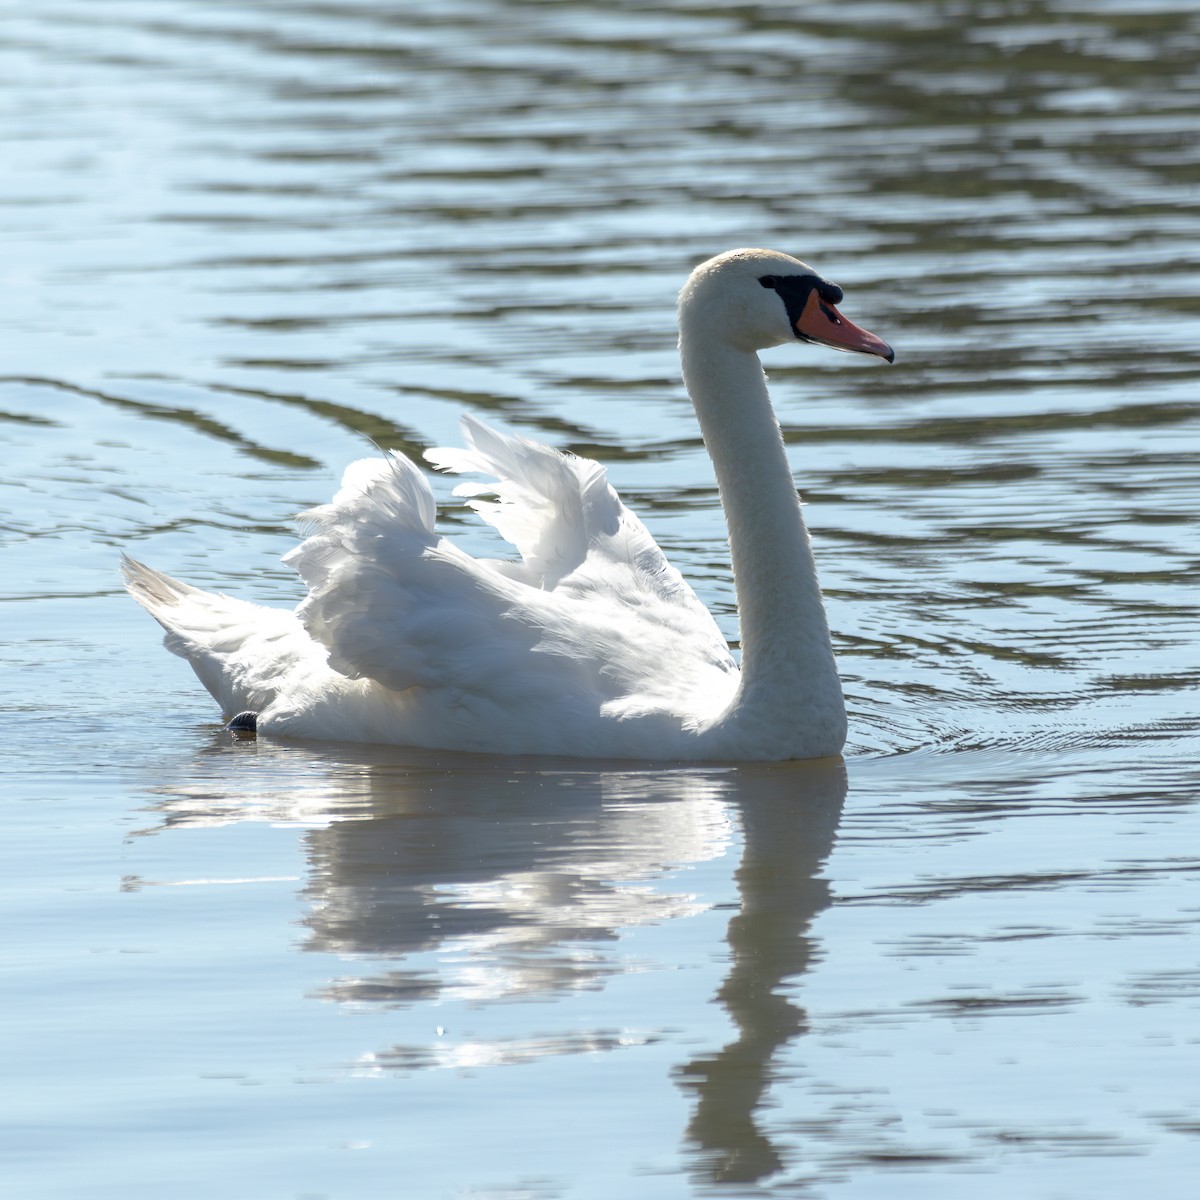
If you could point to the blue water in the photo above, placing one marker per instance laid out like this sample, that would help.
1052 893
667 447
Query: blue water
245 241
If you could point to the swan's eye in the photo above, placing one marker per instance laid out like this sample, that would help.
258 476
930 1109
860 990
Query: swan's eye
768 281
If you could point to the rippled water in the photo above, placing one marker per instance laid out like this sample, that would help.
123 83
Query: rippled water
241 239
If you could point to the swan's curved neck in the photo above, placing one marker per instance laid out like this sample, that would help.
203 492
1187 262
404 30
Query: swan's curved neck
790 687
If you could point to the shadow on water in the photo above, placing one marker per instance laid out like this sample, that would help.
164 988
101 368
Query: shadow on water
461 877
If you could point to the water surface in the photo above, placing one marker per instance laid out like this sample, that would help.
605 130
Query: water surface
243 241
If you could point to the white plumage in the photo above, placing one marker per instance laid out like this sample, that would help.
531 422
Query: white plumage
591 644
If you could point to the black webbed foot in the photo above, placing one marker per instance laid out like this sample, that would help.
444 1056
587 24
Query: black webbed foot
244 722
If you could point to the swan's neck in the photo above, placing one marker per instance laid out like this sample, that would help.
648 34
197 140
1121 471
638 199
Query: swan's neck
790 687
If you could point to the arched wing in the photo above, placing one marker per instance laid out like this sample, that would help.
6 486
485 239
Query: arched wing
565 519
593 612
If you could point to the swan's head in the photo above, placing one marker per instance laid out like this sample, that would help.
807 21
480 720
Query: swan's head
753 299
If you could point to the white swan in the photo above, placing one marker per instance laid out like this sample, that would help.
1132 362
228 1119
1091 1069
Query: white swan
593 644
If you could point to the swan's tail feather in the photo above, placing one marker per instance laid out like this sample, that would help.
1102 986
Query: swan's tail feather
155 592
229 643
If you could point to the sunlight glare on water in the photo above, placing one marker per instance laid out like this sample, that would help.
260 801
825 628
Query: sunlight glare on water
245 240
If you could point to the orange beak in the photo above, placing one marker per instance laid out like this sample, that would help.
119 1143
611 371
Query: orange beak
821 322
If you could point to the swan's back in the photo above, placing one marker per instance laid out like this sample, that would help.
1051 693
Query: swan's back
590 643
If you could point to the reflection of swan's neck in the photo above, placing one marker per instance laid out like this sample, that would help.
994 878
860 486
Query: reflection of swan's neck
788 672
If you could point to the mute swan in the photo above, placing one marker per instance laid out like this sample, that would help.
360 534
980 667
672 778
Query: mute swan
592 644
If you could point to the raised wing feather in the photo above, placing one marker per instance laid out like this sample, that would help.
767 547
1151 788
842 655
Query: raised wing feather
594 618
564 517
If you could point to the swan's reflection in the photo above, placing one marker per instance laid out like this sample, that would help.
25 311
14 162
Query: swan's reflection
455 877
789 817
509 872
